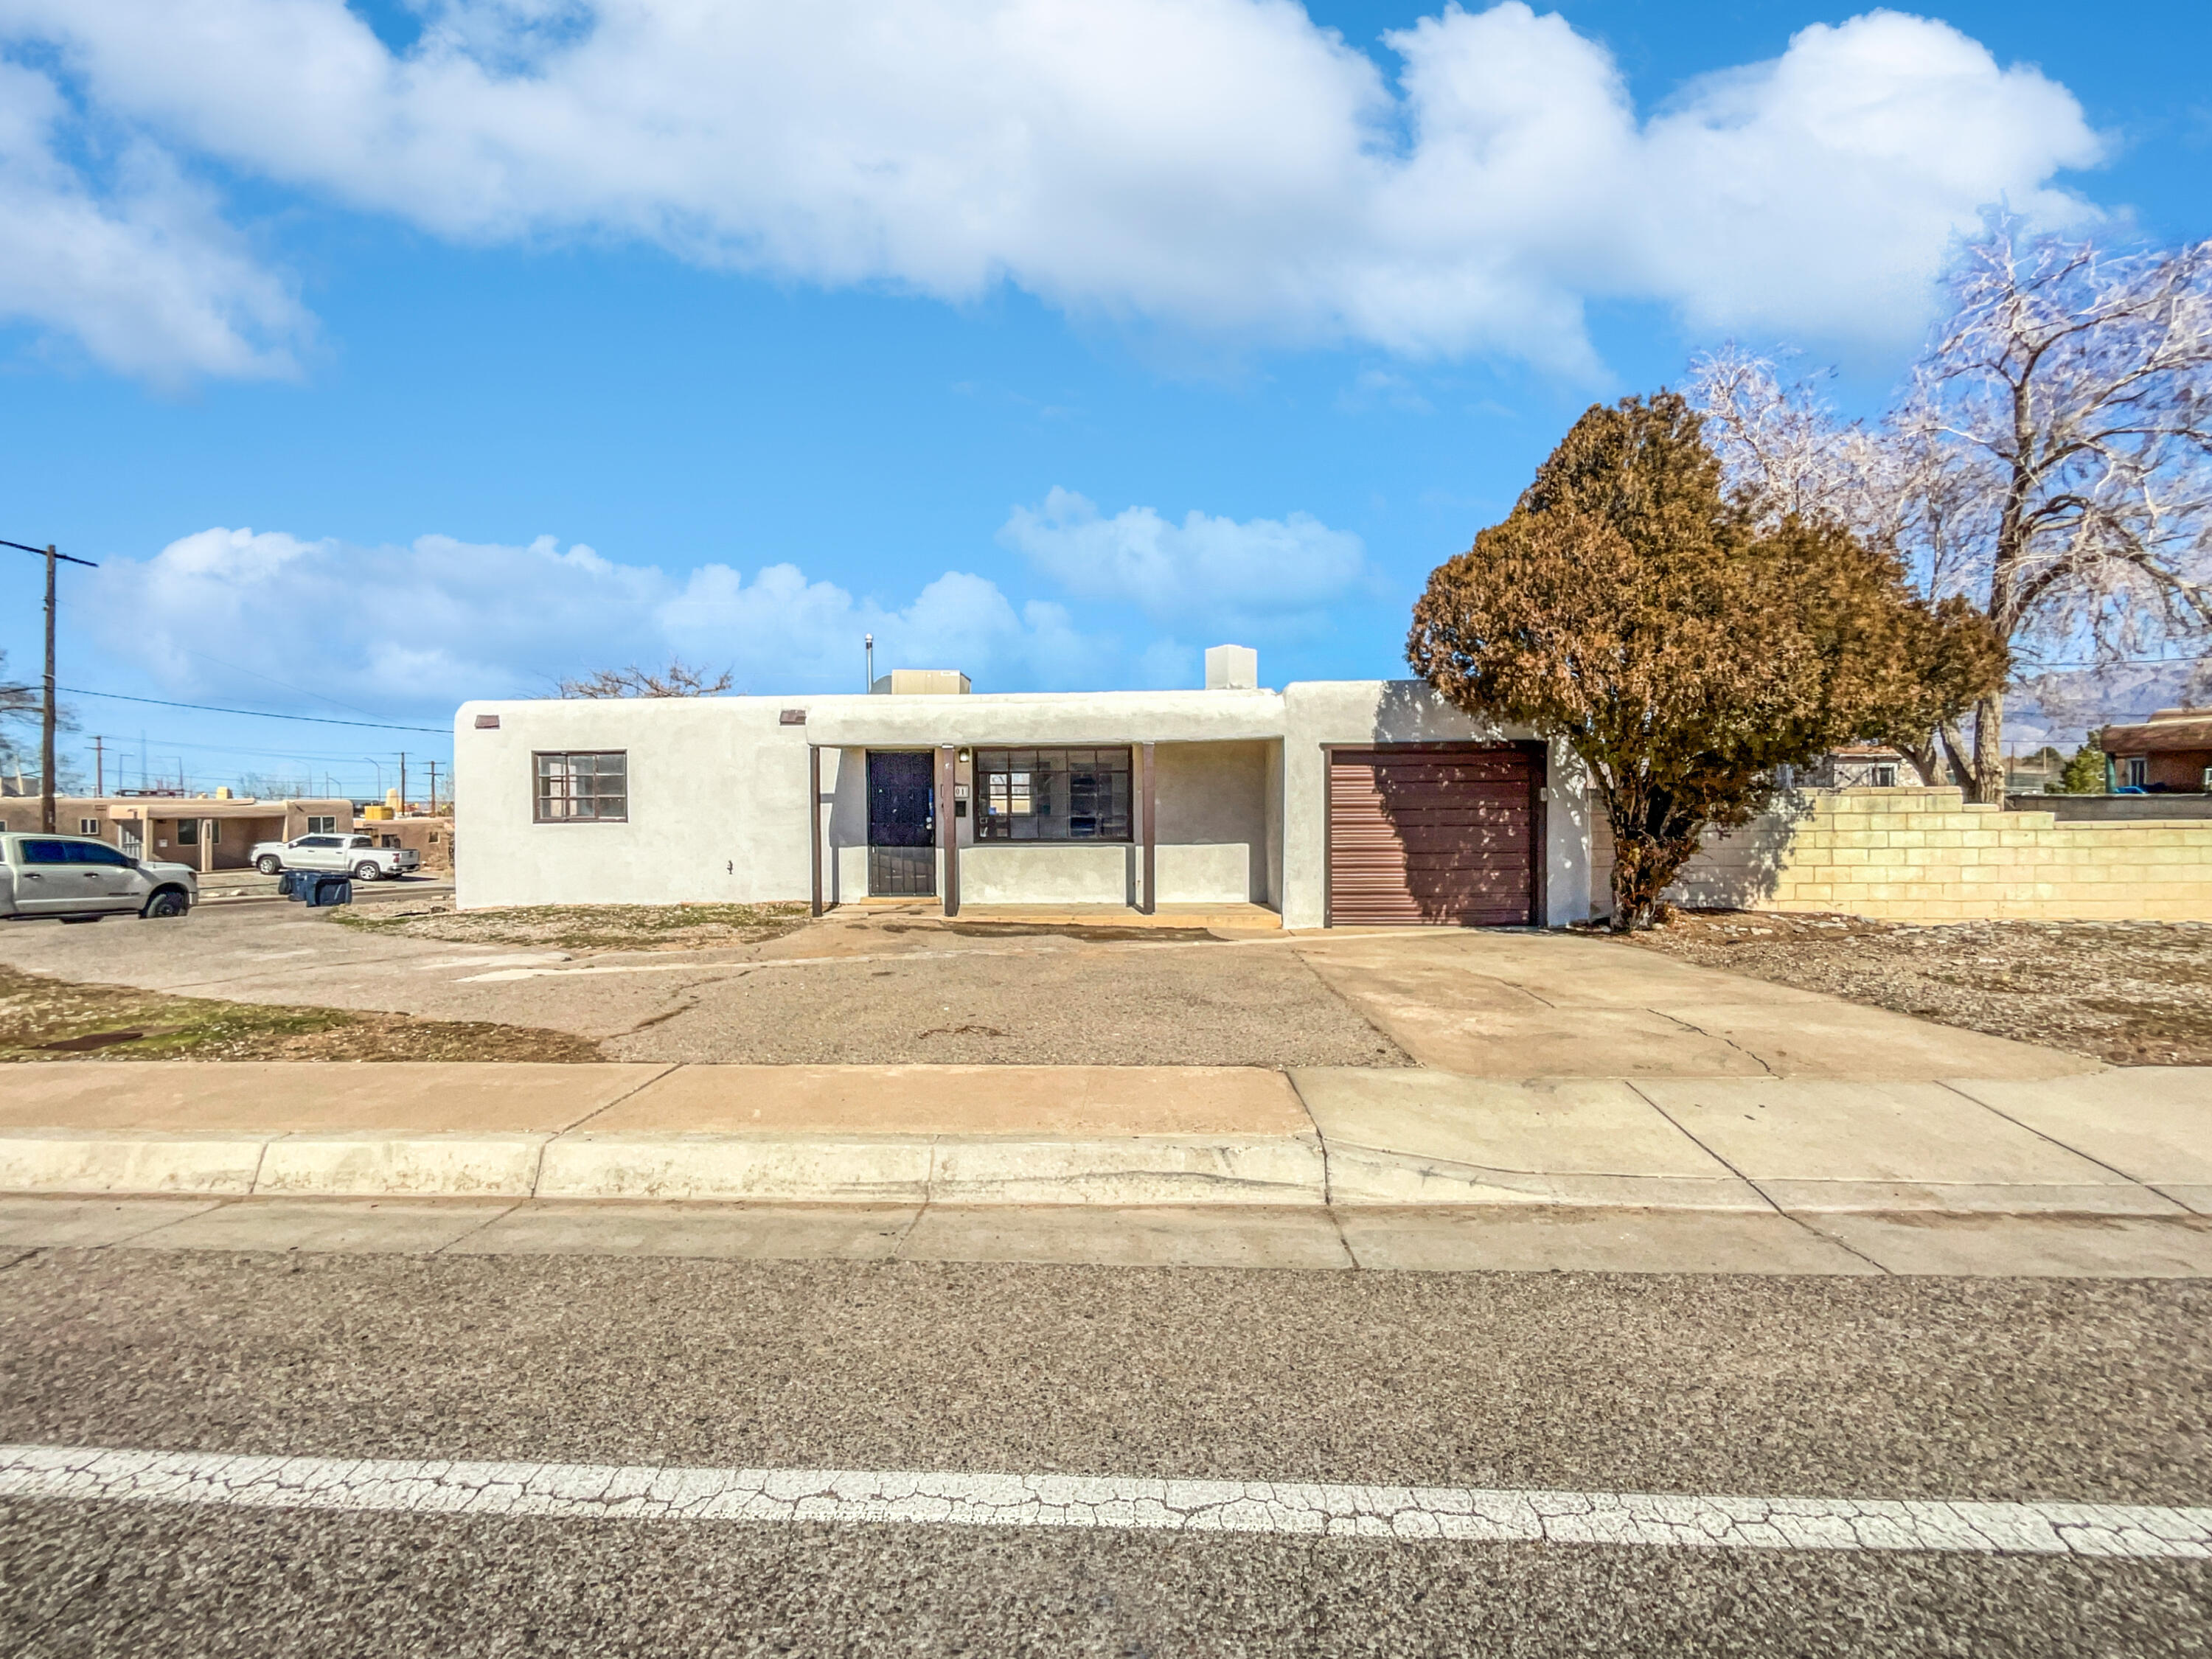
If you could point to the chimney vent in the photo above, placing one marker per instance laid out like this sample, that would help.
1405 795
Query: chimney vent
1232 668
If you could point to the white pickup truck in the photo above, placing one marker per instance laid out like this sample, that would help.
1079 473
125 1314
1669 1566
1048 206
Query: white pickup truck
76 878
358 856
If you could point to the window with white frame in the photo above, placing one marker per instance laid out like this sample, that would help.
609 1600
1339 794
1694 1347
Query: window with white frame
2136 768
326 824
88 826
583 787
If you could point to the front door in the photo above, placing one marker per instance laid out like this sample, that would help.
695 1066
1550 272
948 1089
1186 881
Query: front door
901 824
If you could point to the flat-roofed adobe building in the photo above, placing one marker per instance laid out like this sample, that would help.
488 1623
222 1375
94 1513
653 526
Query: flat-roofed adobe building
207 832
1334 802
2171 753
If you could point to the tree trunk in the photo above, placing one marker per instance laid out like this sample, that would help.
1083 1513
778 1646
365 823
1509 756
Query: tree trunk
1954 751
1989 775
1646 857
1927 759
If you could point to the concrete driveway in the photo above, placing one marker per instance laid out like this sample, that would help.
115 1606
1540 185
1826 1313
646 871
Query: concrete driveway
1565 1006
858 989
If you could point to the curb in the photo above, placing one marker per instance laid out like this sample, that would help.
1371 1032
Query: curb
1276 1170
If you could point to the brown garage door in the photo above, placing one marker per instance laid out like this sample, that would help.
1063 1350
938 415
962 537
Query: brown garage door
1447 833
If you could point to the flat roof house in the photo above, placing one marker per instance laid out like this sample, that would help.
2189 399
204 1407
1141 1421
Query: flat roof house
2169 753
1330 802
207 832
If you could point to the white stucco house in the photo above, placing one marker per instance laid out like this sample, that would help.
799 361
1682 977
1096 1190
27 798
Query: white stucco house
1330 803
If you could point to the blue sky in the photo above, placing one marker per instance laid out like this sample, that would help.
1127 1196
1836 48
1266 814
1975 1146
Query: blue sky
427 340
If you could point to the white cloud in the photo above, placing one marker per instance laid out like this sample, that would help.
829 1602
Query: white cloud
1205 571
149 280
224 612
1211 164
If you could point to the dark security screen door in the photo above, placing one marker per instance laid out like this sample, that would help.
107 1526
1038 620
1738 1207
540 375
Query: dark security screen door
901 824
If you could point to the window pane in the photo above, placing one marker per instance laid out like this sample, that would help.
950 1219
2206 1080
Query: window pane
583 787
1054 794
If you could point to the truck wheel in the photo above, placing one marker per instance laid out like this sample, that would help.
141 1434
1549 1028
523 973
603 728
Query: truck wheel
269 864
365 872
167 903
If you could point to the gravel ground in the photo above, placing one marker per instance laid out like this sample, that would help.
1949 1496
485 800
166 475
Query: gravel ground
46 1018
2131 992
1038 1002
585 928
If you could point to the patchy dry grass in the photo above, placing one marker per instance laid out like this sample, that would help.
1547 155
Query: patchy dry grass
586 927
2129 992
43 1019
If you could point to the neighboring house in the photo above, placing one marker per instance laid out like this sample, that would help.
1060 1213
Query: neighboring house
1861 766
207 832
431 838
2169 753
1330 802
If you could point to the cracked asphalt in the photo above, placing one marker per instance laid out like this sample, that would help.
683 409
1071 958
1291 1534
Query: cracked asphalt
1994 1390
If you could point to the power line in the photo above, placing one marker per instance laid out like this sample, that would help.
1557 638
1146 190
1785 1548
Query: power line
253 714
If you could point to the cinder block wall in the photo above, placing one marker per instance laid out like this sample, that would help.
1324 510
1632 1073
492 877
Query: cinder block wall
1926 856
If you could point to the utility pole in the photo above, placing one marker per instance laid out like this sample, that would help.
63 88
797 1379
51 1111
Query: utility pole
47 717
434 789
99 767
403 782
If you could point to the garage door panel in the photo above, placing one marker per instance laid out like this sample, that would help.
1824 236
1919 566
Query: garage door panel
1425 835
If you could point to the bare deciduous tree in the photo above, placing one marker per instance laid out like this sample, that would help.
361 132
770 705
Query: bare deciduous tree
2050 461
678 679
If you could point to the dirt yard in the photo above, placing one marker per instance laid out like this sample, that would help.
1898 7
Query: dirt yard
2133 993
44 1018
585 927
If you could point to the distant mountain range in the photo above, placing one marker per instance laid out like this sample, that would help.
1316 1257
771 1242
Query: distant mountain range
2062 709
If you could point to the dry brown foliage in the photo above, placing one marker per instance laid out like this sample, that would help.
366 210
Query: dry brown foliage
1631 607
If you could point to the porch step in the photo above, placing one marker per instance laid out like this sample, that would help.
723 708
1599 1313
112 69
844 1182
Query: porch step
1231 917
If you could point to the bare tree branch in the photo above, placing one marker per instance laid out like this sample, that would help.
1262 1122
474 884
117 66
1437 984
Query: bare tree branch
678 679
2051 460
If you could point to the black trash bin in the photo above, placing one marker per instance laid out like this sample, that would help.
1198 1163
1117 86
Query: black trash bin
330 890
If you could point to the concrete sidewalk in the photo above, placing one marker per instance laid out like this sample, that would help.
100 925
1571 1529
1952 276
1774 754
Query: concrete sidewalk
2115 1143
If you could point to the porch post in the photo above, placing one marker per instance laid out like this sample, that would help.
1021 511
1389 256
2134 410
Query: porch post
814 815
1150 893
948 823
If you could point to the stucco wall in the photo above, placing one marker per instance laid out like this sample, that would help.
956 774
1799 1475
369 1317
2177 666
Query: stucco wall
718 809
1047 872
1210 813
1355 712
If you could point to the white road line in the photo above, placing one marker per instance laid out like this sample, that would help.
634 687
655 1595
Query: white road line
643 1493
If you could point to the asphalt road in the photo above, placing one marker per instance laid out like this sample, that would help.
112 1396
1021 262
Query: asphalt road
2005 1390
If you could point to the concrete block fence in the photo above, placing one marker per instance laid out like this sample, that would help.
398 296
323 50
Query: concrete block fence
1918 854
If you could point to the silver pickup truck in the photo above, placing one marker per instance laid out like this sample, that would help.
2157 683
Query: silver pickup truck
76 878
358 856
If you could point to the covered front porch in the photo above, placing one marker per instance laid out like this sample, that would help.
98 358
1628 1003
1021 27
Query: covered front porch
1121 809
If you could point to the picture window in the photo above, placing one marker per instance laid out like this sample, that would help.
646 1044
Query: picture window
1053 794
